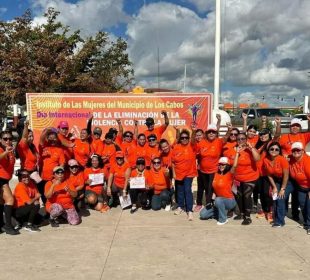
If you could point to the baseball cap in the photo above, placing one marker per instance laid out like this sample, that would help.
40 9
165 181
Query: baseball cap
72 162
212 127
109 135
119 154
224 160
63 124
97 130
149 121
112 130
57 168
296 121
140 161
297 145
152 137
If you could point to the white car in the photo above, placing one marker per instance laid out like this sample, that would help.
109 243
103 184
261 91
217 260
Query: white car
304 120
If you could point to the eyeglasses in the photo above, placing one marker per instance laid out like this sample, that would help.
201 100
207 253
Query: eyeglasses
241 138
7 139
119 158
274 150
296 150
233 134
156 162
73 166
60 172
184 138
128 136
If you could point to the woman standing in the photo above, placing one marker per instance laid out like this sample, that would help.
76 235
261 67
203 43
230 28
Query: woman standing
7 161
300 172
184 170
82 149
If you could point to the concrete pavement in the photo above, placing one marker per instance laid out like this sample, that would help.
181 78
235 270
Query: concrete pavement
156 245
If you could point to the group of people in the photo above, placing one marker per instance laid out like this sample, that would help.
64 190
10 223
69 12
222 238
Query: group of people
67 173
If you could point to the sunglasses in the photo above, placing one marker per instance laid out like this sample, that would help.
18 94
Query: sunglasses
73 166
7 139
128 136
64 128
296 150
184 138
222 164
211 131
152 139
119 158
242 138
274 150
59 172
156 162
233 134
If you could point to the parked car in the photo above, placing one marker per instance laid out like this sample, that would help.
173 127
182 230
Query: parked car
304 120
254 114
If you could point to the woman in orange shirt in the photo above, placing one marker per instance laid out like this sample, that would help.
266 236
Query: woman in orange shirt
82 149
94 192
246 176
27 201
184 170
300 171
141 147
7 161
60 197
277 169
118 178
160 182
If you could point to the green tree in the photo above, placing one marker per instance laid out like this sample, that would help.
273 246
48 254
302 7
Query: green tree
52 58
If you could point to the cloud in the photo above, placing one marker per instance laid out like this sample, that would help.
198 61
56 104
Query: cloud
203 5
3 10
90 16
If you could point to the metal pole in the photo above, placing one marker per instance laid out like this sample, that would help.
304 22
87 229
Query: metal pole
217 55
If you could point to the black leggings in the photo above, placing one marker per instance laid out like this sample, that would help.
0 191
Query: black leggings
204 184
142 197
27 213
41 187
244 198
265 197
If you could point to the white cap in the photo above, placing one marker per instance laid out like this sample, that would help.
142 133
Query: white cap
297 145
212 127
224 160
296 121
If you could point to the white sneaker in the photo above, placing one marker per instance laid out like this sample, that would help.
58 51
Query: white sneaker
190 216
178 211
220 224
168 208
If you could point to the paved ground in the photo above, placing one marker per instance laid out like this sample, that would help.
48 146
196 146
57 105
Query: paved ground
156 245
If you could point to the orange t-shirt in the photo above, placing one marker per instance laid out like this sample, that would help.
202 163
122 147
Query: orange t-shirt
300 171
50 157
286 141
95 188
227 147
158 131
118 172
60 196
129 150
166 159
24 193
151 153
253 140
222 185
184 161
109 153
7 165
28 158
82 151
275 168
141 151
76 180
246 170
97 146
209 154
158 181
68 152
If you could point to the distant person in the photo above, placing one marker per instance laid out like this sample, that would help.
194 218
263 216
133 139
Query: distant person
158 131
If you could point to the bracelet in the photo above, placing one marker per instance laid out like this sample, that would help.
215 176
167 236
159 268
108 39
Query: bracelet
282 189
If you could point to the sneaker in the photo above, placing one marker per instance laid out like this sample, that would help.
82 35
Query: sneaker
197 208
31 228
54 223
168 208
222 223
308 231
178 211
270 217
105 208
10 230
260 214
277 225
254 209
190 216
133 210
238 217
18 227
246 222
230 214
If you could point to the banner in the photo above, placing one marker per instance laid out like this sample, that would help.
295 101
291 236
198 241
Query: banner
48 109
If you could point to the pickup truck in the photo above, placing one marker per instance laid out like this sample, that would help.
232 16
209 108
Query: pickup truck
254 114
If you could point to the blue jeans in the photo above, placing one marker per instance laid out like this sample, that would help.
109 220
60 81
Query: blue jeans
185 194
279 205
160 200
304 203
223 205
